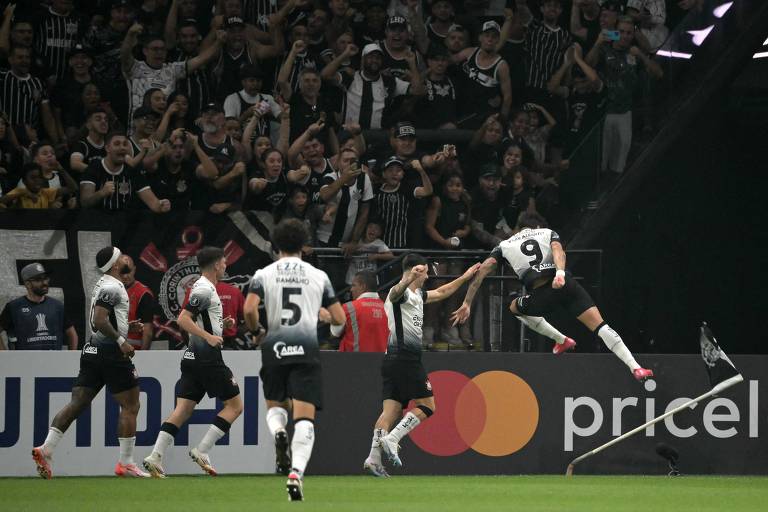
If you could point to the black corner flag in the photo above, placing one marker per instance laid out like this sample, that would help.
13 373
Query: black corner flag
719 367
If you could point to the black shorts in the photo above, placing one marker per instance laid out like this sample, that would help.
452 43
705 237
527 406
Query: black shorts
404 380
106 366
544 299
300 381
197 380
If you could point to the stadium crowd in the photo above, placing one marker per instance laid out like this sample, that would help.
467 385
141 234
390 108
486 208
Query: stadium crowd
266 107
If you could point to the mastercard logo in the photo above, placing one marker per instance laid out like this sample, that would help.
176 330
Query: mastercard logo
494 413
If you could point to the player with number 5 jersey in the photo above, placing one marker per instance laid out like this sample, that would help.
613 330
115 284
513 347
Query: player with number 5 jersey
293 292
536 255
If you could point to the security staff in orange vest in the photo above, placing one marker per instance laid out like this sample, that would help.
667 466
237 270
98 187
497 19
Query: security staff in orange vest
366 327
142 306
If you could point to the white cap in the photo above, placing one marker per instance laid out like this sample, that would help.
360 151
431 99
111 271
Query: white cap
372 47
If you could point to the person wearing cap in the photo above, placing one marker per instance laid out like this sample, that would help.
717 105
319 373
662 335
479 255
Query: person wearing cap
154 71
239 49
395 201
437 108
215 141
369 94
112 184
90 147
489 194
488 88
36 321
250 101
105 360
396 50
142 142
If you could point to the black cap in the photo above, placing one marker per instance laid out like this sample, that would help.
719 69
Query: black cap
490 170
122 3
438 51
79 49
250 71
32 270
393 160
144 112
396 20
212 107
404 129
233 21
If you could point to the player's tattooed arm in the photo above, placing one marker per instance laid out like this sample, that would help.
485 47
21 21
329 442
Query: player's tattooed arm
397 291
558 255
462 314
449 289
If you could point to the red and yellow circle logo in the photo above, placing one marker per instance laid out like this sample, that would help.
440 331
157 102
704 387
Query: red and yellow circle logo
494 413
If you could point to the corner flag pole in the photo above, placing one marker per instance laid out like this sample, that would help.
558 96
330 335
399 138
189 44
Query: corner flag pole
722 386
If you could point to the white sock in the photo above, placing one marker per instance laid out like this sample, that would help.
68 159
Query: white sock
209 439
375 454
126 449
52 439
409 422
541 326
614 343
301 445
277 419
164 440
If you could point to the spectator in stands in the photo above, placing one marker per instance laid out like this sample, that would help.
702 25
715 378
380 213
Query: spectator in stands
487 85
439 23
250 100
308 106
395 201
492 201
24 98
397 51
268 189
214 138
104 43
371 251
11 154
520 197
142 145
308 150
90 147
366 328
485 147
582 89
183 118
438 107
538 133
317 26
111 184
619 62
369 94
650 15
229 186
585 21
178 177
19 30
33 195
299 206
66 97
371 29
35 321
142 306
298 58
58 29
196 86
519 121
53 174
155 71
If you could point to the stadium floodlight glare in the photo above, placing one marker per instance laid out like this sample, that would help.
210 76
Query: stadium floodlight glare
700 35
674 55
760 55
720 10
717 389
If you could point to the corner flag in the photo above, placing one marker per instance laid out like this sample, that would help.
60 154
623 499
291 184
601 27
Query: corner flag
719 367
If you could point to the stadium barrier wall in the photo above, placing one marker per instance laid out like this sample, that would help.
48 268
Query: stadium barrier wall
497 413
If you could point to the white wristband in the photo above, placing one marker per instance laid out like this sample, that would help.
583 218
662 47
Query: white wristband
560 273
120 341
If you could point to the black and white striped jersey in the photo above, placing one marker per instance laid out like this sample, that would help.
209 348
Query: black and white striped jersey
55 36
21 98
545 48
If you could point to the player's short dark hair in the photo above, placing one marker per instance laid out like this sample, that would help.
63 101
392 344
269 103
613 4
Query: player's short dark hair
413 259
208 256
290 235
531 220
104 255
368 279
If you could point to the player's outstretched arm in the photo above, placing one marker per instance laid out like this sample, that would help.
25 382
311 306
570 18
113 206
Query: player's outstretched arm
251 311
449 289
462 314
397 291
558 254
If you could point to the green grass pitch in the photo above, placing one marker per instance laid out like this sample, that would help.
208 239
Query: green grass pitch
367 494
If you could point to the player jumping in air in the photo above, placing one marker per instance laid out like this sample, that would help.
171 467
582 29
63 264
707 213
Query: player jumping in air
537 257
105 359
403 375
202 367
293 291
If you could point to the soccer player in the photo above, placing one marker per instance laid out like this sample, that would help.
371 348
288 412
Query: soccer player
403 375
293 292
106 359
202 367
537 257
